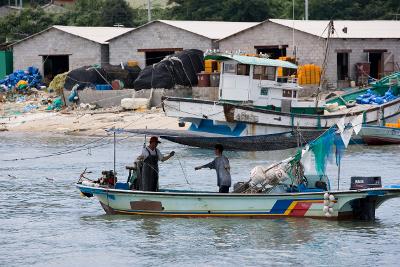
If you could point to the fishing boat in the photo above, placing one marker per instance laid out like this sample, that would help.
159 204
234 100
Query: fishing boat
288 188
268 142
253 100
380 135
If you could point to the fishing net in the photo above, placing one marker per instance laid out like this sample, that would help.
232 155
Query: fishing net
57 84
178 69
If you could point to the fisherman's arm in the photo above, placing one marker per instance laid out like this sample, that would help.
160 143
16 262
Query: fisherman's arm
142 156
167 157
210 165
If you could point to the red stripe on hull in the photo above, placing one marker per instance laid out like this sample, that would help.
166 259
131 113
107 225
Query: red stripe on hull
300 209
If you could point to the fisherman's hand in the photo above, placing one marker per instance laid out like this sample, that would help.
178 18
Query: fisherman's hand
172 153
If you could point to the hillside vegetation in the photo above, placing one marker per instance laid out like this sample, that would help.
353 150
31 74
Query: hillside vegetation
133 12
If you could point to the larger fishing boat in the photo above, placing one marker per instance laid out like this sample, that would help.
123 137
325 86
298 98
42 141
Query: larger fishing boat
290 188
253 100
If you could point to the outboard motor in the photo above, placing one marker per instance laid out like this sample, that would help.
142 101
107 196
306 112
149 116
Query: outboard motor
108 178
364 208
364 182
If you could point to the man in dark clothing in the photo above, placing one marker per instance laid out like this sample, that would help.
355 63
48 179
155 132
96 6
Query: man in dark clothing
150 157
221 165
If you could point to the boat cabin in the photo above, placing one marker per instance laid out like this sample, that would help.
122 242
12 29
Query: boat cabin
255 81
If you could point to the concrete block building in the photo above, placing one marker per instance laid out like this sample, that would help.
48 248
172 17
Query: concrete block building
376 43
153 41
62 48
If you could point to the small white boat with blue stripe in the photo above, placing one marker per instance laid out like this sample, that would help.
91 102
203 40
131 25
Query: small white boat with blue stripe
290 188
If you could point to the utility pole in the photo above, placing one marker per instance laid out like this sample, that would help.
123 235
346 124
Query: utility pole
149 10
306 9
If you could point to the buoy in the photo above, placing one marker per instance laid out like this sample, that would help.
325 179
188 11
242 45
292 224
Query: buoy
331 204
331 197
328 214
325 209
326 196
330 210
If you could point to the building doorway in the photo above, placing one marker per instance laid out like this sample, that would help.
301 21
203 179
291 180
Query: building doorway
274 51
53 65
343 66
153 56
375 60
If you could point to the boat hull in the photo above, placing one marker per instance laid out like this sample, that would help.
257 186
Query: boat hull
249 143
375 135
274 121
203 204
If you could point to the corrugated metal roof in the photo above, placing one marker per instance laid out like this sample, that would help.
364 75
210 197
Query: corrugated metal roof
96 34
355 28
211 29
253 60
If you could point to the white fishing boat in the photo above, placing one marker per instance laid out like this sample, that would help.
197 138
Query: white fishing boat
286 189
253 100
380 135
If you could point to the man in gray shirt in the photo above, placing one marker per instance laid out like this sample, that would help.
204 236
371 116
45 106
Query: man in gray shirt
221 165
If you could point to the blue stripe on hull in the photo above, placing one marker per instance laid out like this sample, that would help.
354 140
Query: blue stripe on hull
209 127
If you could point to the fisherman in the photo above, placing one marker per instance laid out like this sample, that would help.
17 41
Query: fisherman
150 157
221 165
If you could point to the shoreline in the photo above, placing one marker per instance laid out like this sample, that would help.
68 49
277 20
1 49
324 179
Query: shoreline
86 122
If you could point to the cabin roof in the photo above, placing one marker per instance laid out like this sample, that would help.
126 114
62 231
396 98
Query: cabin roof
253 60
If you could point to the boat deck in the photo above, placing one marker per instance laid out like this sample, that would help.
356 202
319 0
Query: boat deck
355 109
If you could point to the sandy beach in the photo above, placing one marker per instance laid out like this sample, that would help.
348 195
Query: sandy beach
79 121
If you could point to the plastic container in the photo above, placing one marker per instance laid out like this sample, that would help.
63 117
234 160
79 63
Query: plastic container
132 63
203 79
210 65
103 87
214 79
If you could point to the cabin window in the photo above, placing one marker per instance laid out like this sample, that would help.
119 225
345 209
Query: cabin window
264 91
229 68
294 94
287 93
264 73
243 69
270 73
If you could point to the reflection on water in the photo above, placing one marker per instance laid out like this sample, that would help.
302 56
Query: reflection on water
45 222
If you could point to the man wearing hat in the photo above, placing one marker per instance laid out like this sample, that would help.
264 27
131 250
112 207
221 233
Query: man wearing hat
150 156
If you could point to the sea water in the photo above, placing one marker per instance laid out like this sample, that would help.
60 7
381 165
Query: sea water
45 222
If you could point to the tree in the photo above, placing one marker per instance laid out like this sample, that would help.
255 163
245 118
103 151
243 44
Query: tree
343 9
116 12
225 10
19 25
85 13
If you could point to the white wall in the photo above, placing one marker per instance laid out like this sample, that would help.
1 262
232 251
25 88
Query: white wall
55 42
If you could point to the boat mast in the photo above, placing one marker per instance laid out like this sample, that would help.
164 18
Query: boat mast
330 28
306 9
294 48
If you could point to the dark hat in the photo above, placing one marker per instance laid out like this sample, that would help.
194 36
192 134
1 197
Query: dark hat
154 139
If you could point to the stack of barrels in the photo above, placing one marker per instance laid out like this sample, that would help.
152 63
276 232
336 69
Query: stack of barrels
210 76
